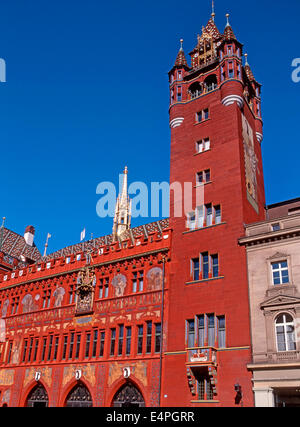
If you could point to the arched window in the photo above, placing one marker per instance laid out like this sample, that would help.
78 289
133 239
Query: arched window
38 397
128 396
285 333
80 397
195 90
211 82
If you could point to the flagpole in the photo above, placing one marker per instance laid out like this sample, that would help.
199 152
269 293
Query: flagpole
46 244
2 230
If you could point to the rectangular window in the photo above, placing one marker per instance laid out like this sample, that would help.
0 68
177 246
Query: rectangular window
134 282
201 331
204 387
215 265
44 349
50 347
25 350
36 346
191 221
112 341
179 94
128 340
78 341
9 352
55 348
221 332
209 214
30 350
191 333
217 210
280 272
211 330
102 341
95 341
230 70
205 265
87 344
65 347
199 116
149 337
141 281
199 146
157 337
195 268
140 339
71 348
200 216
206 114
121 339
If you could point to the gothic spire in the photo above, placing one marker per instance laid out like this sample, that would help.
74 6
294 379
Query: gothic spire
181 59
228 33
248 69
122 219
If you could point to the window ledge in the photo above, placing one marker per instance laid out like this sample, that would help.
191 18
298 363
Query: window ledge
204 280
205 401
203 228
201 152
202 121
202 183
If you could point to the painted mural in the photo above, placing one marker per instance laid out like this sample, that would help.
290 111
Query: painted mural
155 278
119 283
28 304
251 161
58 295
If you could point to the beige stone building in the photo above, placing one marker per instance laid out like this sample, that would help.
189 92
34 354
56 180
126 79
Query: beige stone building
273 253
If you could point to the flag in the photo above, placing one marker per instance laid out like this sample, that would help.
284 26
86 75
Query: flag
48 236
82 235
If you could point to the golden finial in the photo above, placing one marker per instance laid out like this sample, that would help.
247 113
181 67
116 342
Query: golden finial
227 16
3 221
181 44
126 170
246 58
213 10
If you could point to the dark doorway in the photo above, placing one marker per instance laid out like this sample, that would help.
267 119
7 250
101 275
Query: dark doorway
128 397
79 397
287 397
38 397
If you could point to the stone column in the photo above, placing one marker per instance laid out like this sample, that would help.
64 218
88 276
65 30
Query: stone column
264 397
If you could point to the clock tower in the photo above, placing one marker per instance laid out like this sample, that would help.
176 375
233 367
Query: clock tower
216 135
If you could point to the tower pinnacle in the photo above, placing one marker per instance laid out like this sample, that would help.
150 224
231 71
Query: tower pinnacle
122 219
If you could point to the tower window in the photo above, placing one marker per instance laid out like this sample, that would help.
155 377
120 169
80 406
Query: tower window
211 83
202 115
205 267
195 90
203 145
179 94
230 70
203 177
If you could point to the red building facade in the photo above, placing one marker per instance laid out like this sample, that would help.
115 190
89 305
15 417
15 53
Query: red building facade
83 327
216 130
156 315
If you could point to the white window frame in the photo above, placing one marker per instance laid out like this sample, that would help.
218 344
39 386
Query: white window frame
280 270
285 324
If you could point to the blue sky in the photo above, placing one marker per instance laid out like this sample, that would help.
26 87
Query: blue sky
87 94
